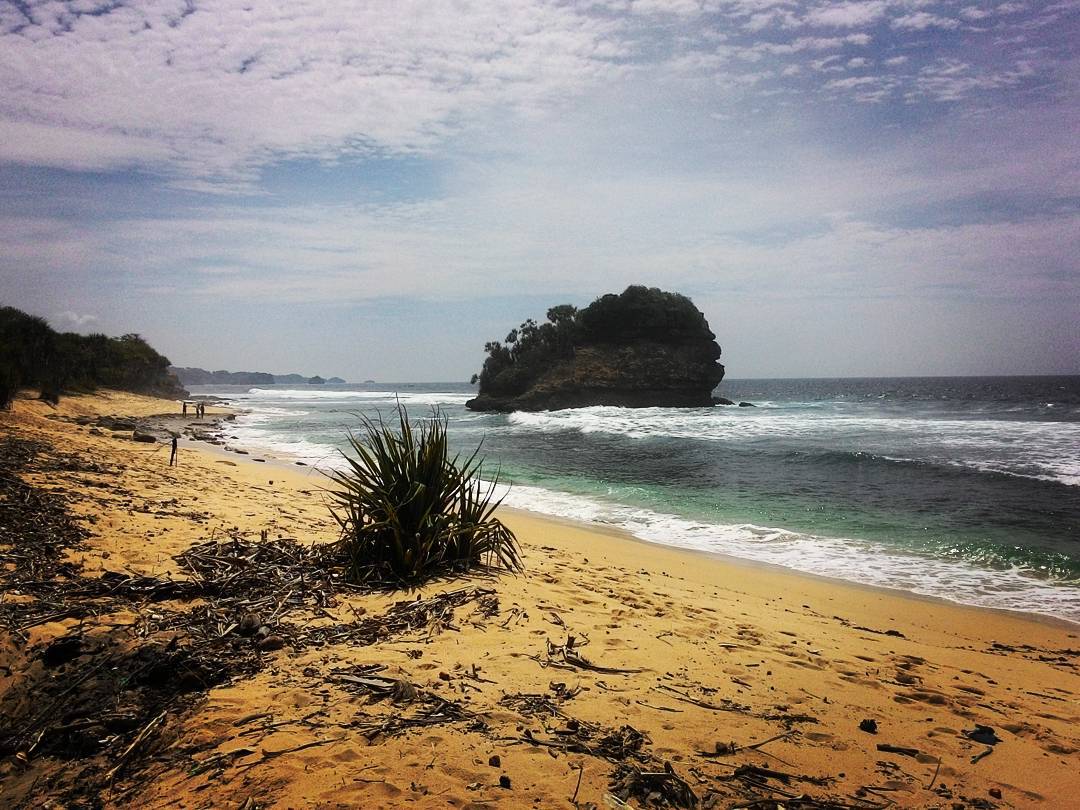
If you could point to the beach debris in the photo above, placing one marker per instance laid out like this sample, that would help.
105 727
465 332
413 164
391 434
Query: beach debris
654 788
577 787
249 625
271 643
982 755
724 705
898 749
982 734
96 704
889 632
427 708
566 656
727 749
570 734
869 726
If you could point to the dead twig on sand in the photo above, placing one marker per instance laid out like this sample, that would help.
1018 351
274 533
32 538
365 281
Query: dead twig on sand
147 729
566 656
726 706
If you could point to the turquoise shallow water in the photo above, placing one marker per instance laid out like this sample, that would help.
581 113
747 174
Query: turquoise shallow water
963 488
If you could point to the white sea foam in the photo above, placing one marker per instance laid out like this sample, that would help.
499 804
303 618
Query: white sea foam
267 413
1040 450
266 395
302 393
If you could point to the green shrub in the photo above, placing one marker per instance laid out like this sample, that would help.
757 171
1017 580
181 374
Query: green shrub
408 511
33 355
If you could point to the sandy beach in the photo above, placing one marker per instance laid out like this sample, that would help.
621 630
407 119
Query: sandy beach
610 673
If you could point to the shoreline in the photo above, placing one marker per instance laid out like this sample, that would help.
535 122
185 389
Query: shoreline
681 656
781 570
283 460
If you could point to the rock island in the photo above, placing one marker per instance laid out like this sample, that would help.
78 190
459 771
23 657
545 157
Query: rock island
642 348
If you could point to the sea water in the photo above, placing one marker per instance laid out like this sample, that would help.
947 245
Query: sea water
966 489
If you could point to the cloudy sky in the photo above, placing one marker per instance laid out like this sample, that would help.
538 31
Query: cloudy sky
374 189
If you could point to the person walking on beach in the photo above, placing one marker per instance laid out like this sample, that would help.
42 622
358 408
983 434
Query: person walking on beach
172 455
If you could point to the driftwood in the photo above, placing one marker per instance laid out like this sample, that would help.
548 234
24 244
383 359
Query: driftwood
898 749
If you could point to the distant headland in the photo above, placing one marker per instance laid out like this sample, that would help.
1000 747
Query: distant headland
200 376
641 348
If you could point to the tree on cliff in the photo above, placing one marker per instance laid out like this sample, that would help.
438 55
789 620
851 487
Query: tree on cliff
510 366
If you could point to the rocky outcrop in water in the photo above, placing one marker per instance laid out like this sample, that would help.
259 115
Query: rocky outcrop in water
643 348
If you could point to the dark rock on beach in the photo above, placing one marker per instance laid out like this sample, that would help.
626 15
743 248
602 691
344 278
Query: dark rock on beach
643 348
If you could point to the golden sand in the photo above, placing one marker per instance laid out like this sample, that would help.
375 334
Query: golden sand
703 655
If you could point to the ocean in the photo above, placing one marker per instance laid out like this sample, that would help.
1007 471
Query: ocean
967 489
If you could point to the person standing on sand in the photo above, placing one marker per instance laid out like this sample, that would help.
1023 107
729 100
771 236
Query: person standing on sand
172 455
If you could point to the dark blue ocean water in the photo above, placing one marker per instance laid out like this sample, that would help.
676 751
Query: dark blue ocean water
962 488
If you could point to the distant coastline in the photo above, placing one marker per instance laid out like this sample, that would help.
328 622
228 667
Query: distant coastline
200 376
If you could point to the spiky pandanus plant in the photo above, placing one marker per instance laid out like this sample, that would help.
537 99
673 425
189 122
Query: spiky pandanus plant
408 511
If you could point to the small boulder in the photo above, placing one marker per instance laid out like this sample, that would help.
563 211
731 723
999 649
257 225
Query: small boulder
143 437
249 625
747 405
271 643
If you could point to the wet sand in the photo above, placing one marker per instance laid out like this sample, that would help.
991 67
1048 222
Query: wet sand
603 665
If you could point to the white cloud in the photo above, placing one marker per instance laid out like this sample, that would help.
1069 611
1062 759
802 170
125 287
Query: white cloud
784 18
864 89
76 148
921 20
676 7
72 320
230 85
847 14
210 94
949 79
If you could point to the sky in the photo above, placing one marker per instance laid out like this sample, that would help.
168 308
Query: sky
376 189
